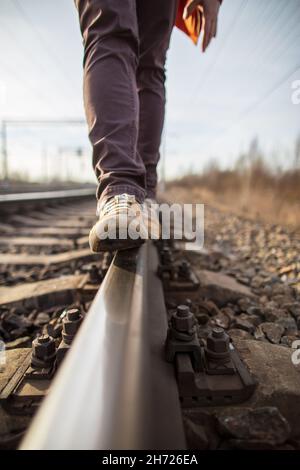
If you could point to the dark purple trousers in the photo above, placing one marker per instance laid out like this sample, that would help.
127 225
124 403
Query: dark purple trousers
125 46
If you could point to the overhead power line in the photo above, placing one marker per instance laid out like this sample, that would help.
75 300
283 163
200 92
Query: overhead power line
230 31
288 22
44 43
263 98
258 41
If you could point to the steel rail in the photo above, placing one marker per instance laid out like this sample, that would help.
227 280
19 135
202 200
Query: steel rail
46 195
8 202
114 389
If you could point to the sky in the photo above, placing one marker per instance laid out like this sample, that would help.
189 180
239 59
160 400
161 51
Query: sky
217 102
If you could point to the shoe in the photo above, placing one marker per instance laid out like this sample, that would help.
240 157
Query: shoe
151 209
122 224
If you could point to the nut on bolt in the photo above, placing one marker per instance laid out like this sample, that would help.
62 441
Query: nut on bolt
183 320
43 351
182 337
95 276
73 314
184 269
217 345
71 324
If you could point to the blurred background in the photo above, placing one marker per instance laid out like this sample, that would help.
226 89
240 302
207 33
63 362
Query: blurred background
233 114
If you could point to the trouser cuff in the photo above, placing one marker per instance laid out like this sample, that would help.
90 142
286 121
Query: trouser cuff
111 191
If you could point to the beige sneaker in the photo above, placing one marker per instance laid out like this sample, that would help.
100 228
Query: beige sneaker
122 224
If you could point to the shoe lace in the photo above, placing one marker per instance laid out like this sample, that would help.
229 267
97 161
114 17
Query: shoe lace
118 203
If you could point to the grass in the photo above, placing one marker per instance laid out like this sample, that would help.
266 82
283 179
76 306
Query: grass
252 188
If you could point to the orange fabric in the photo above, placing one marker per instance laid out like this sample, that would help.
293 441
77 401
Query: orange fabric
191 26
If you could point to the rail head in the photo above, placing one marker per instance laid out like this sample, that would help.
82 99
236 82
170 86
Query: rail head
13 202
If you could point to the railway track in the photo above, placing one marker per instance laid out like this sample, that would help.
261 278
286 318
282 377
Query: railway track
113 352
47 265
114 390
119 346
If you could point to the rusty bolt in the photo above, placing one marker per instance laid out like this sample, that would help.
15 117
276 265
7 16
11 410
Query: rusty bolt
218 333
183 311
73 314
183 320
184 269
44 339
71 324
43 346
185 265
94 274
218 341
43 351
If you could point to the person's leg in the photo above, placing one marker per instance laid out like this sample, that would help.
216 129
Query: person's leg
155 21
110 36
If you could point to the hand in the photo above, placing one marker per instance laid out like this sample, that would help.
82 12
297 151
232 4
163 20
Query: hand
210 11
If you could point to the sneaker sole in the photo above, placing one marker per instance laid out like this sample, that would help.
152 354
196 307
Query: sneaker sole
97 245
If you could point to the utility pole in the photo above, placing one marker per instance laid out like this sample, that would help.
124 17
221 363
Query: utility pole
22 122
4 150
44 162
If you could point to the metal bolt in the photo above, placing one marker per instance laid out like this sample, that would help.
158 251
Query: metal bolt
218 332
185 264
217 345
73 314
43 346
183 321
94 274
183 311
71 324
43 339
43 351
184 269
